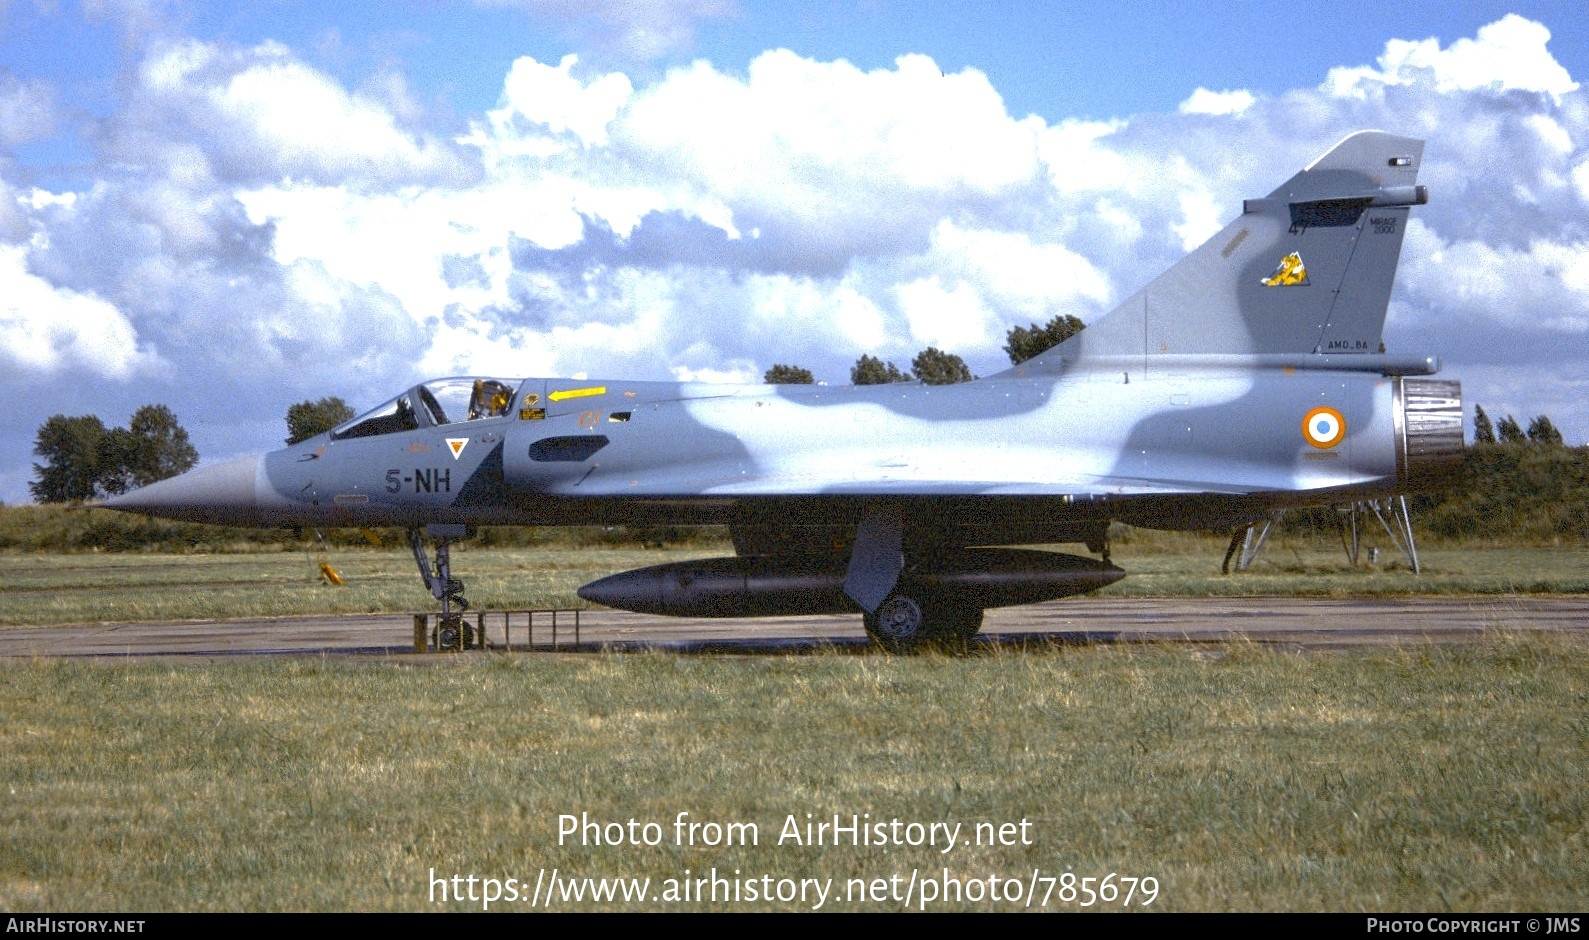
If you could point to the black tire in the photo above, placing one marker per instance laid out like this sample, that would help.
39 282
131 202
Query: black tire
453 634
955 626
898 625
910 620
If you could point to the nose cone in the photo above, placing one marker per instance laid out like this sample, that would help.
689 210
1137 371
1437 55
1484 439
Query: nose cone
223 494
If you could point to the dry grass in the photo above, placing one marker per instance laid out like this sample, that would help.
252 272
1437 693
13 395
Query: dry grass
89 588
1425 778
93 588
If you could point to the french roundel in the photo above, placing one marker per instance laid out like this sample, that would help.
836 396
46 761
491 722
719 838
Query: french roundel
1323 427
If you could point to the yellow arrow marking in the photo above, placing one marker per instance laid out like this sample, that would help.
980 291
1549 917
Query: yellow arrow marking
578 392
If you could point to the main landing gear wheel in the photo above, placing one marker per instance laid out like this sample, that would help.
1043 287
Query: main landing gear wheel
907 621
897 625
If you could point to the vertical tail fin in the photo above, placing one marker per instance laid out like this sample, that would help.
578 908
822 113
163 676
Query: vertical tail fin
1308 269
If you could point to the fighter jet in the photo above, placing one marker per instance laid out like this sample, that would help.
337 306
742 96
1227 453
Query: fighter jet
1251 376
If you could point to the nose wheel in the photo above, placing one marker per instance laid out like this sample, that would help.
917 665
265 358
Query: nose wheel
451 632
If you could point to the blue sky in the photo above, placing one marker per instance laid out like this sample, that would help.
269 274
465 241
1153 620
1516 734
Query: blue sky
1054 60
228 208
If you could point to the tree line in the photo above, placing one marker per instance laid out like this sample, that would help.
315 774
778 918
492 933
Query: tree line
1541 430
933 366
84 460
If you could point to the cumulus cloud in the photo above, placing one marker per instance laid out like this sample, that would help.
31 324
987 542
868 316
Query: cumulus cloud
1507 55
45 329
259 114
156 279
812 137
706 213
259 230
1522 295
941 218
1203 101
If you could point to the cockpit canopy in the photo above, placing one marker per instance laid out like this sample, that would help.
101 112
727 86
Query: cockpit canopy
433 404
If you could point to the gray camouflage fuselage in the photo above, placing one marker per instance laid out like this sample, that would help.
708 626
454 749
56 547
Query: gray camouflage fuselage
646 452
1248 377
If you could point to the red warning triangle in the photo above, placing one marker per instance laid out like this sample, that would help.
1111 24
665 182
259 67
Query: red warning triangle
457 445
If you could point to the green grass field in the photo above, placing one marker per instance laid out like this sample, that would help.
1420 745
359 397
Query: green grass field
1236 777
1426 778
92 588
47 589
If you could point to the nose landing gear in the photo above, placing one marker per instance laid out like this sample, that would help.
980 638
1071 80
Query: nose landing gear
451 632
